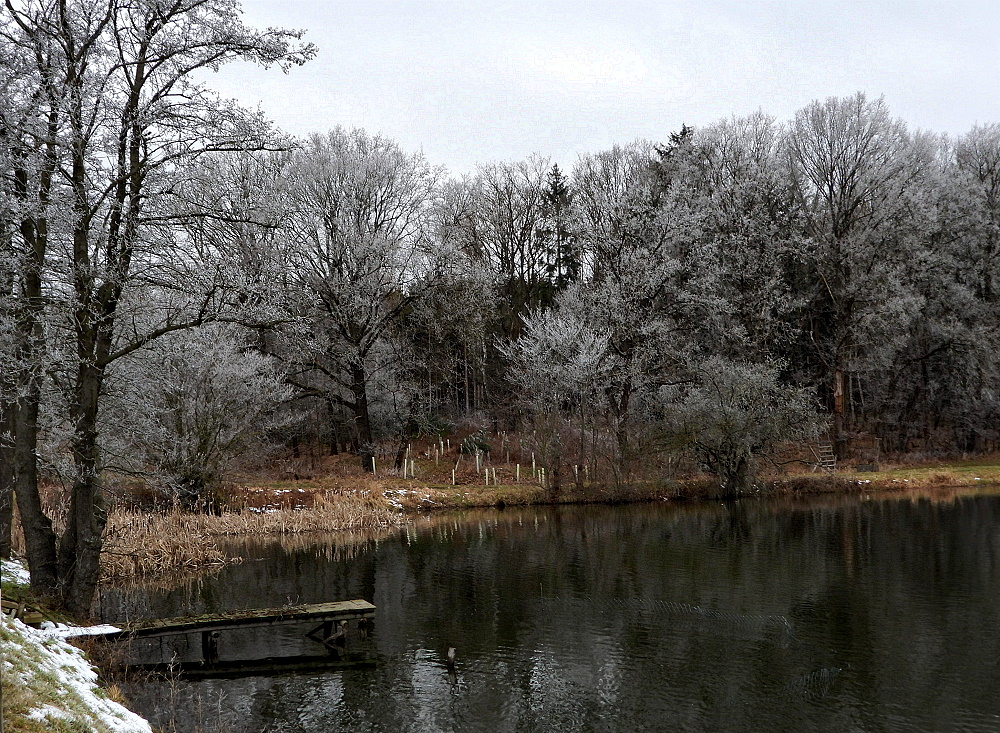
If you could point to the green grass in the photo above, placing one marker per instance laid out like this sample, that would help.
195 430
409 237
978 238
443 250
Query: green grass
36 674
32 683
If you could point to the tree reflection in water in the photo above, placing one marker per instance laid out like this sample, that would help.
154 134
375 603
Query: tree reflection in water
836 613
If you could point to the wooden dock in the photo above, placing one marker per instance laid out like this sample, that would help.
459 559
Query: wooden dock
338 611
242 642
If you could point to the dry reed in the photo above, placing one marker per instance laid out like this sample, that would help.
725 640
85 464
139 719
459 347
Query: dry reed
143 544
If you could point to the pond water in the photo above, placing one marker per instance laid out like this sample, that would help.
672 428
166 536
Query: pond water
830 614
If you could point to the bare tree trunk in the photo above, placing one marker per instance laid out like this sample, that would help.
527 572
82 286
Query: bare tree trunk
465 364
839 429
621 417
362 418
739 479
80 548
554 478
39 537
334 413
6 477
400 461
8 388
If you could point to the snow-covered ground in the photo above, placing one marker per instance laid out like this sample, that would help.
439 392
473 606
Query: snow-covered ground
51 680
13 572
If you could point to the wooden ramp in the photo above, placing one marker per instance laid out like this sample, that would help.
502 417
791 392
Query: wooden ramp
255 641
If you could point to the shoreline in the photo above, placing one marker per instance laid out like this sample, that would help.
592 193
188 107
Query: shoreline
419 498
143 545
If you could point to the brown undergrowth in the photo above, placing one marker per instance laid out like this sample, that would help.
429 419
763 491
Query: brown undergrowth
143 544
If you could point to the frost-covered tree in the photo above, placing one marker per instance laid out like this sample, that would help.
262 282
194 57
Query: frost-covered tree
233 209
559 367
450 326
8 393
852 174
939 389
749 227
361 256
186 407
500 222
611 204
626 274
654 269
977 160
113 121
501 230
731 414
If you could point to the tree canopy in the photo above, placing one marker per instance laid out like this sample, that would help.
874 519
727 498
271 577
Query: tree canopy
702 299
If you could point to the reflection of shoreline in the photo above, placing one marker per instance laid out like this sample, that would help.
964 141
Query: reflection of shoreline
518 515
933 494
349 543
568 614
345 544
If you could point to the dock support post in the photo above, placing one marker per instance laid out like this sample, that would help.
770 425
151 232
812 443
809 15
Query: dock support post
210 647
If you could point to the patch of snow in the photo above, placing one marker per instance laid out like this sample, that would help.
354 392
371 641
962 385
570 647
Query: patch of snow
73 676
62 631
11 571
47 712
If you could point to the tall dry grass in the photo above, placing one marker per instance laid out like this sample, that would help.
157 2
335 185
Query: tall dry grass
142 544
139 545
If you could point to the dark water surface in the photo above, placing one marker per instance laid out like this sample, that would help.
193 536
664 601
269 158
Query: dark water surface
840 614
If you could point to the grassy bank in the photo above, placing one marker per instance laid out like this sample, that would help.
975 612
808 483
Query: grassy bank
430 490
420 496
903 477
48 684
147 542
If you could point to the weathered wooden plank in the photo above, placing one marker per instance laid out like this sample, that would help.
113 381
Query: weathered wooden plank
28 614
335 611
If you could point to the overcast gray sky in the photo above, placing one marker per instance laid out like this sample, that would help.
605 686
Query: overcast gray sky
470 82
